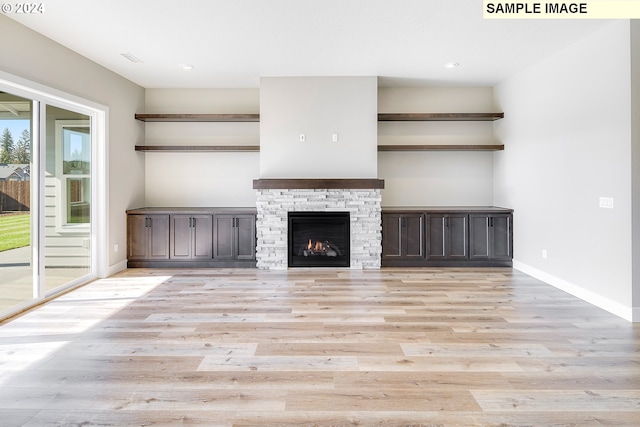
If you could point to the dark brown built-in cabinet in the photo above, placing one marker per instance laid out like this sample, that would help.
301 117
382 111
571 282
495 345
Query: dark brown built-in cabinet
490 236
411 237
403 236
234 237
148 237
447 236
191 237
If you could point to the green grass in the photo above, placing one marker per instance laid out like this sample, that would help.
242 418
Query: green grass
15 231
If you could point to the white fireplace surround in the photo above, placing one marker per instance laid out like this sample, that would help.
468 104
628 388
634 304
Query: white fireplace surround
365 213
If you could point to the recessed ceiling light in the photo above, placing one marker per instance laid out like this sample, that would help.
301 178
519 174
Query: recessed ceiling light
452 65
131 57
186 66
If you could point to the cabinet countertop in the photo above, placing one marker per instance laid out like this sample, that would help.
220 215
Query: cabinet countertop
191 210
467 209
250 210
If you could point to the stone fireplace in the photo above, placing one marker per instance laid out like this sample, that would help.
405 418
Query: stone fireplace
315 132
360 198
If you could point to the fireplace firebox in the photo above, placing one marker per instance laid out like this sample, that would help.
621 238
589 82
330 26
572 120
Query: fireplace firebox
319 239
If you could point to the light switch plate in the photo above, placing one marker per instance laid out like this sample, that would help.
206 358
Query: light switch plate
606 202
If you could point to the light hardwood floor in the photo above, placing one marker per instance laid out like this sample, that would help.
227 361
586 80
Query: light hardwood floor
401 347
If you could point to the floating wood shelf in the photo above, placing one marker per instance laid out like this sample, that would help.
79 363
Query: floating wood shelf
196 148
477 147
382 117
439 117
256 148
319 183
198 117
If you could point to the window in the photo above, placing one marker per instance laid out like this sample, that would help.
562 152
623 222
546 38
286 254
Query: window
73 144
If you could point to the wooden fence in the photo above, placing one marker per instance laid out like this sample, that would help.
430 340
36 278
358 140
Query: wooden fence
15 196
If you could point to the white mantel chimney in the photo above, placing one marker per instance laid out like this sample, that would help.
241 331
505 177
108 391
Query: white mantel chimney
318 127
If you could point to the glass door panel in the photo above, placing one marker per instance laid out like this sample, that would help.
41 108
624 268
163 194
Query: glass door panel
16 266
51 173
67 180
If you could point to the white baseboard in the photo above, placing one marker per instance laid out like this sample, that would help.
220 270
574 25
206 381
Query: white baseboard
116 268
630 314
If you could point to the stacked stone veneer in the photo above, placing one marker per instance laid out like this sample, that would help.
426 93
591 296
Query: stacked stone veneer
365 211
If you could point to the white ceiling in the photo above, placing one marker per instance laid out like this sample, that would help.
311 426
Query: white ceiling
231 43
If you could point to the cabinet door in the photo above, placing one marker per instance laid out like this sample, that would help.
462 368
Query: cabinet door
479 236
446 236
402 236
412 235
180 237
490 236
223 237
501 237
137 237
391 236
158 235
436 236
456 226
191 237
245 229
202 236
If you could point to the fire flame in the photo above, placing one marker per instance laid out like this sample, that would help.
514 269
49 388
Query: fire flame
318 247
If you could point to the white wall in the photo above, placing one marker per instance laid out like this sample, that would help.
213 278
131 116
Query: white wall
318 107
411 179
432 178
31 56
203 178
567 136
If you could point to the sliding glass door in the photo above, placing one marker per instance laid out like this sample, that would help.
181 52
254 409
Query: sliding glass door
67 203
50 196
16 215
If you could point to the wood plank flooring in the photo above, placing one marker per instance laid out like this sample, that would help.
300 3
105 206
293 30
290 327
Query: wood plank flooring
321 347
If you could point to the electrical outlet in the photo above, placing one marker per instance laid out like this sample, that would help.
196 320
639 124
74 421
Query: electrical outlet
544 254
606 202
334 137
116 247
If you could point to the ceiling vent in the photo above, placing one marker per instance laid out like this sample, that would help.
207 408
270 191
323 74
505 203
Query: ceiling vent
131 57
